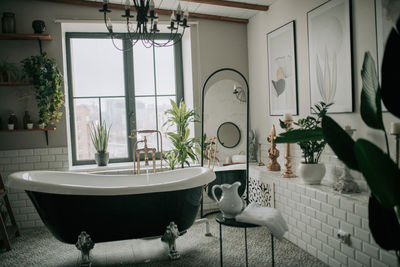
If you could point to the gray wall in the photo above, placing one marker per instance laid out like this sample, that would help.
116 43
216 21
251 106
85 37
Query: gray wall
217 44
281 12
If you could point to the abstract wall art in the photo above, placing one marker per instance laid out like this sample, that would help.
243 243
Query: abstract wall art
282 74
330 58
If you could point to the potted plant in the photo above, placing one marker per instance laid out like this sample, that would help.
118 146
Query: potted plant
47 80
185 147
9 72
170 158
99 134
310 170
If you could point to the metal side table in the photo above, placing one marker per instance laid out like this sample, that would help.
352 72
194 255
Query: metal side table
233 223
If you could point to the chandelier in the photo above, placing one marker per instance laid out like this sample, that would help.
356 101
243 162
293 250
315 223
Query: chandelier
145 28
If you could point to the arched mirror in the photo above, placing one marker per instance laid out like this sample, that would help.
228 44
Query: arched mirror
225 128
228 134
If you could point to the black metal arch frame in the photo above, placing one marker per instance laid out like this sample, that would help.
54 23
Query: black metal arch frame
247 126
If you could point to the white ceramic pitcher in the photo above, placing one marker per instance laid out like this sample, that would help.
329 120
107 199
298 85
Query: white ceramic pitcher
230 202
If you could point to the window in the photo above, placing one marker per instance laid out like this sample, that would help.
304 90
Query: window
129 90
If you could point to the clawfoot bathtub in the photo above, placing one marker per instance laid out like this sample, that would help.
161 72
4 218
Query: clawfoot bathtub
113 207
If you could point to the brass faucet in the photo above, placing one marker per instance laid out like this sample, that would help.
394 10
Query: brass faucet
145 150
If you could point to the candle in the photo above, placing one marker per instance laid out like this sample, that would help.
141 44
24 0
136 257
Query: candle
288 117
347 127
186 13
127 4
151 5
395 128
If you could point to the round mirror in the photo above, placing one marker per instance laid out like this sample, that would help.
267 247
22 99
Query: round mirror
228 134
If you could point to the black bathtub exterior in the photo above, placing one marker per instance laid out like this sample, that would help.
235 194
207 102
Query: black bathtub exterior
119 217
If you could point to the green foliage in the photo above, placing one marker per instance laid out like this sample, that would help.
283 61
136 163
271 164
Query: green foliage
47 80
340 142
170 158
185 147
309 135
99 133
9 72
379 170
371 106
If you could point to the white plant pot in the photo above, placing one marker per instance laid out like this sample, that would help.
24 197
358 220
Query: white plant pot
311 173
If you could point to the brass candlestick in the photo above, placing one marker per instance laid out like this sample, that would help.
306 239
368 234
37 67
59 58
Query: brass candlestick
288 160
260 163
273 152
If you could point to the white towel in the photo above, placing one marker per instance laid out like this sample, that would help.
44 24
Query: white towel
265 216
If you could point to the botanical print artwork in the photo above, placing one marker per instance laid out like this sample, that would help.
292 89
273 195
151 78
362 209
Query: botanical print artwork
330 55
383 27
282 70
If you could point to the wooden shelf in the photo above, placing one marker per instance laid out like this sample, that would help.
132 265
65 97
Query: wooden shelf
45 131
25 36
15 84
27 130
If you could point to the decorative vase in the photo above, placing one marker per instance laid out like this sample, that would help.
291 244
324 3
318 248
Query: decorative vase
8 22
311 173
29 125
101 158
38 26
12 119
230 202
42 125
10 126
26 119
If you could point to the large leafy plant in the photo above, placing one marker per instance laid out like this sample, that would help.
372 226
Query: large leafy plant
379 170
310 126
185 147
47 80
100 134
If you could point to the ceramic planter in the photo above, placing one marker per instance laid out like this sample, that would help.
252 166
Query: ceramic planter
101 158
311 173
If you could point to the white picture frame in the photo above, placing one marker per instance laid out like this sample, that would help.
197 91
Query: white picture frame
330 55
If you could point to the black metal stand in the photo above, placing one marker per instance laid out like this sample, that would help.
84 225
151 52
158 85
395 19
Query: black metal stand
233 223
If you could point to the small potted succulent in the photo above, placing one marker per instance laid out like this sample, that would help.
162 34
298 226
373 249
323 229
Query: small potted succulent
99 133
310 170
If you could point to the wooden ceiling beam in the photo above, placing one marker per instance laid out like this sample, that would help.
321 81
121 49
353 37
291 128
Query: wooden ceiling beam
159 11
230 4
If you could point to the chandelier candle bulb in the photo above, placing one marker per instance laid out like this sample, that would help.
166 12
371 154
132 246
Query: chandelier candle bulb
127 6
395 128
288 117
151 5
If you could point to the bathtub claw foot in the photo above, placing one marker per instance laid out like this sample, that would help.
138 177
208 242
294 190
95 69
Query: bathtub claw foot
169 237
85 244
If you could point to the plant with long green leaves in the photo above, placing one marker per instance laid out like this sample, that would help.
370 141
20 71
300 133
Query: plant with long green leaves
170 158
185 147
47 80
100 134
308 136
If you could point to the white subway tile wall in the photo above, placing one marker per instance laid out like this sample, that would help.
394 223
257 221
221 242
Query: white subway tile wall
317 215
30 159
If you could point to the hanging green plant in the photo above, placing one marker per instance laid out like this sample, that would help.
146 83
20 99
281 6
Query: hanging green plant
47 80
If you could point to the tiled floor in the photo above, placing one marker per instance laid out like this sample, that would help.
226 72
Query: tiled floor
37 247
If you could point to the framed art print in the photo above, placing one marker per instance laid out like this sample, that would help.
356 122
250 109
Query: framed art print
383 28
282 74
330 58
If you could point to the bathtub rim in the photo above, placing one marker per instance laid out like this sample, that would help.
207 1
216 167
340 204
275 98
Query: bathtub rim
199 176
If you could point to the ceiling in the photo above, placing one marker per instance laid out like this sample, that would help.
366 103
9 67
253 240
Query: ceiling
237 10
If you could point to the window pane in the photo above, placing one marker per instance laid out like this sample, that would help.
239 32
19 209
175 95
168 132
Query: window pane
143 70
97 68
146 119
86 111
113 111
165 70
163 104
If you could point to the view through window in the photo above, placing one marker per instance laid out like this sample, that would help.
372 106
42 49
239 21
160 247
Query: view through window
128 90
